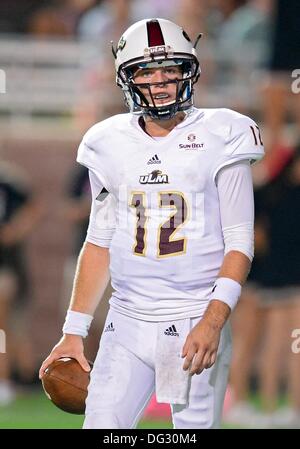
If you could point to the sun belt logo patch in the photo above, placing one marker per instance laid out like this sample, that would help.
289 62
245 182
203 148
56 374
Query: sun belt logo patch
191 145
191 137
155 177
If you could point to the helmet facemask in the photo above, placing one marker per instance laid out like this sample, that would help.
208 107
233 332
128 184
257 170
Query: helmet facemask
140 98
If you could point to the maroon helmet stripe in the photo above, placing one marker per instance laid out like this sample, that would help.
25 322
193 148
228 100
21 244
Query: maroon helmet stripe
155 36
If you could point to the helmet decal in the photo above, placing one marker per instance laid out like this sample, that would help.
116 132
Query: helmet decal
186 35
121 44
155 36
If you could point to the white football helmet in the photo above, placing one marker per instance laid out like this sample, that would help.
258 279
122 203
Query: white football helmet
156 43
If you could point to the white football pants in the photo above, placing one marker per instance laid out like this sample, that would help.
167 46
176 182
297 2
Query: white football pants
123 378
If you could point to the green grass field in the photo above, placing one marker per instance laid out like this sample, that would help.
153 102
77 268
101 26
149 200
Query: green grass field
35 411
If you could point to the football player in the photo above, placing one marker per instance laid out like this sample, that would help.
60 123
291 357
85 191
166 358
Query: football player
172 224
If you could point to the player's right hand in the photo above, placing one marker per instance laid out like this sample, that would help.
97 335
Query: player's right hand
68 346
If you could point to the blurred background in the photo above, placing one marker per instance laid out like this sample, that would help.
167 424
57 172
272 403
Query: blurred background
56 80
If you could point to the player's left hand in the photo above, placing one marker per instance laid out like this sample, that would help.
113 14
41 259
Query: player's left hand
201 346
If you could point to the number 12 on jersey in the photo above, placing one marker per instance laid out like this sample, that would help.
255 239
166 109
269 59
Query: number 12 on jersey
167 245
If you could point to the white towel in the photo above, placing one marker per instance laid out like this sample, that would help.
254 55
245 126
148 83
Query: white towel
172 382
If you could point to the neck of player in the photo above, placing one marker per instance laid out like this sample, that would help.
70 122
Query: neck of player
161 128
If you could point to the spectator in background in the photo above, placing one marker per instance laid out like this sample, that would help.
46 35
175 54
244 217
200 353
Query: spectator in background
98 96
284 58
241 31
14 14
59 18
18 214
107 20
281 294
192 16
79 203
281 104
237 22
270 308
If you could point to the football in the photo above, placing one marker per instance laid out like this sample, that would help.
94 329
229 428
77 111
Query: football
65 383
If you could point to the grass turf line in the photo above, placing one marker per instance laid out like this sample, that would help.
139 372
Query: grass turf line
35 411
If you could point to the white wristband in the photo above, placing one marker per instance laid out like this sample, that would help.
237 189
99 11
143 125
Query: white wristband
226 290
77 323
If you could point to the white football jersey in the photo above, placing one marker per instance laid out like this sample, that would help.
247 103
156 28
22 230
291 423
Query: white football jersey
167 246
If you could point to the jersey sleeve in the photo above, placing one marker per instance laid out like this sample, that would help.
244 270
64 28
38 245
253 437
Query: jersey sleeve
235 191
243 142
102 221
88 156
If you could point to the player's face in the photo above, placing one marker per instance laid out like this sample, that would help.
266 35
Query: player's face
162 93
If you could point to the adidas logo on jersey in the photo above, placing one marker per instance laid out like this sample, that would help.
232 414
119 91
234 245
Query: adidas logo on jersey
155 177
154 160
109 328
172 331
